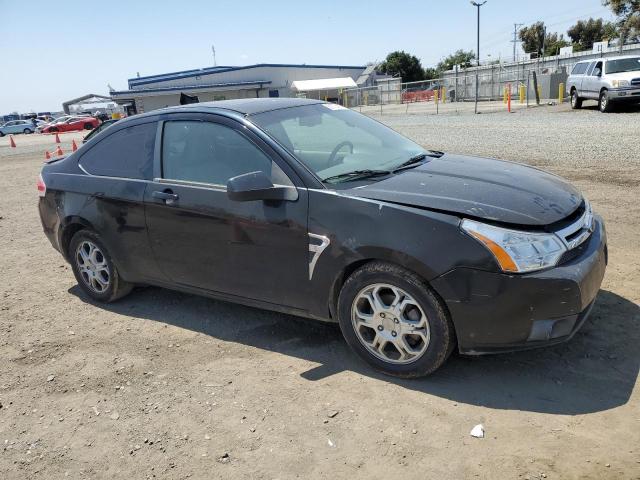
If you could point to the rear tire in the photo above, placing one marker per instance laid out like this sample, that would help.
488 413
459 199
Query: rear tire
88 126
604 104
27 131
94 269
404 331
576 101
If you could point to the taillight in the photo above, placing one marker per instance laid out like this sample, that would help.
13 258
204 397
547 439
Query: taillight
42 188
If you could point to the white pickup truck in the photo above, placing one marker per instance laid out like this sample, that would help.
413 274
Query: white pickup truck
608 80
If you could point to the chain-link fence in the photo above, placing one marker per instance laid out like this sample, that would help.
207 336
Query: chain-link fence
496 91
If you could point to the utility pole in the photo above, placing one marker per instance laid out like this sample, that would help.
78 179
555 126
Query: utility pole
477 5
515 38
213 50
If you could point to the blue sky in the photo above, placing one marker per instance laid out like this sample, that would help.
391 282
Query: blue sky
55 51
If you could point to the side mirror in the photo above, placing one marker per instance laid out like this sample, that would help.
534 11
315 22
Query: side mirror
254 186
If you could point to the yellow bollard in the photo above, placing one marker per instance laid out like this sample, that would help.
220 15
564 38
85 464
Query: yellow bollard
540 92
444 95
561 93
435 95
366 98
504 94
522 92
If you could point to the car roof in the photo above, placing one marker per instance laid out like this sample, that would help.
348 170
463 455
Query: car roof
620 57
244 106
600 59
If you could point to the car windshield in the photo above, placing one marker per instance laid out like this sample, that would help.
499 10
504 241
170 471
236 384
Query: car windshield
623 65
332 140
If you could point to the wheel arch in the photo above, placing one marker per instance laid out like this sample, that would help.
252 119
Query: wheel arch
71 226
404 273
339 280
351 267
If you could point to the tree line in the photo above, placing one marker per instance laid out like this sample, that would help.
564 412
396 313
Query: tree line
535 39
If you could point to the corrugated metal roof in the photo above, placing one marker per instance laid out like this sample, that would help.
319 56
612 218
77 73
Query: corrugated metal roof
208 71
210 86
364 76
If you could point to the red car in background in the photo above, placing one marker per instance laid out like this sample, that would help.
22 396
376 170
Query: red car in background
72 124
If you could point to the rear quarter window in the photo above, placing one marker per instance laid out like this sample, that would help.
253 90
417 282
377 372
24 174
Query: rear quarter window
127 153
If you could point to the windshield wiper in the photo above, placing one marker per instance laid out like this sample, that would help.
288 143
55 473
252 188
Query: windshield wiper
417 160
356 175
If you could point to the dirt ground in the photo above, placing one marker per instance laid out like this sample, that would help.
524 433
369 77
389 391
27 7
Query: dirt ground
168 385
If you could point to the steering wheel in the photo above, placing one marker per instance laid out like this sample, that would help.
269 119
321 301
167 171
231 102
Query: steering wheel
334 153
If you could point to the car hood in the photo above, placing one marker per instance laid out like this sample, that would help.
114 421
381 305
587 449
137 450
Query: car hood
623 75
481 188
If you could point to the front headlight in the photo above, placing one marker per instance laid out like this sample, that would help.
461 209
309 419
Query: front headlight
620 83
517 251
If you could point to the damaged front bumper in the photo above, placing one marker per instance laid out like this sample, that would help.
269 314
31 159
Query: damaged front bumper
498 312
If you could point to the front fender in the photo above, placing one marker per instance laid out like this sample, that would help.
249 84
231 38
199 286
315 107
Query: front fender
359 230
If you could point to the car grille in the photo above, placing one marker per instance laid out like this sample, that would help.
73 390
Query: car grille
576 234
635 81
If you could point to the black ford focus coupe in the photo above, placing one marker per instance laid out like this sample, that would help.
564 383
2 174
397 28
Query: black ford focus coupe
308 208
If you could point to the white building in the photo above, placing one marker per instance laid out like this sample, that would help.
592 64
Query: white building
223 83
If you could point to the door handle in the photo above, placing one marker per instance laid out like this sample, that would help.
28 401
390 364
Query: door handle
167 196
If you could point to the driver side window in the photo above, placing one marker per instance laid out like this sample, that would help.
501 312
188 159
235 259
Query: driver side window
212 153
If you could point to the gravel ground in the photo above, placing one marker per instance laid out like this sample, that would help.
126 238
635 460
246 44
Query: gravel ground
167 385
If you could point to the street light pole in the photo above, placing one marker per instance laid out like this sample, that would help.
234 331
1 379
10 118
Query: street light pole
477 5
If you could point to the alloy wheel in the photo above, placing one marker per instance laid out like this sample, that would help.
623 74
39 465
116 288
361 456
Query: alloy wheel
603 101
93 266
390 323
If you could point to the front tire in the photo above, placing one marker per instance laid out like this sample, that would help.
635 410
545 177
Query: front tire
27 131
604 103
394 321
88 126
94 269
576 101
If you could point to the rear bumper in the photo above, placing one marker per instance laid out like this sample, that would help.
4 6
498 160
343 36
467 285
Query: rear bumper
50 220
496 312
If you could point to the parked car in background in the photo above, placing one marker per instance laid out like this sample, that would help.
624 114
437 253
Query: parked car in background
98 129
53 121
610 81
72 124
17 126
312 209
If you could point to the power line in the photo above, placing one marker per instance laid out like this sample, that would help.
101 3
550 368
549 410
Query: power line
496 38
515 38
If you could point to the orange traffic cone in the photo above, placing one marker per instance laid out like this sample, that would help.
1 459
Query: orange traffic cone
47 155
74 147
59 151
11 142
57 138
